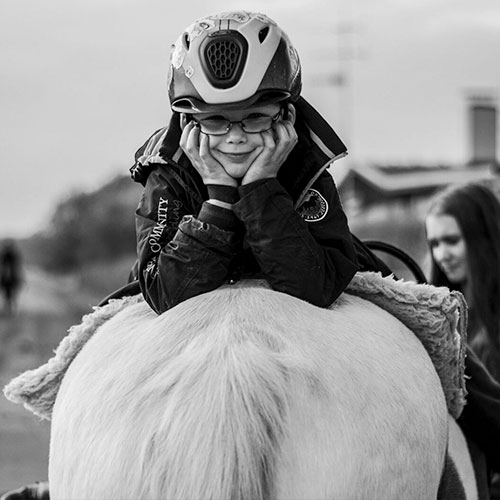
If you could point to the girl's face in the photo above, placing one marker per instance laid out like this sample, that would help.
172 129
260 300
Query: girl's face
236 149
448 247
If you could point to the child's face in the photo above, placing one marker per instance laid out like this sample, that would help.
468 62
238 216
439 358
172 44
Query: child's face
236 149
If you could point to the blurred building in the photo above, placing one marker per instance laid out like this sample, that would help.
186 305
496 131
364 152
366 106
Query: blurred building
482 127
388 202
363 186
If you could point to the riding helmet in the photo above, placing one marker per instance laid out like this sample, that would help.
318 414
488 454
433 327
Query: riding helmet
232 60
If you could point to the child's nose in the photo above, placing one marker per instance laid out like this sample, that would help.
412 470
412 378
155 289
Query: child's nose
236 133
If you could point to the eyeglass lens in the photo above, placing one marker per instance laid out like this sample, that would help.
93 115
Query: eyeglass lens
252 124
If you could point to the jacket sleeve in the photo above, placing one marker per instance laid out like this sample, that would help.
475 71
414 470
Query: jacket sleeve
308 252
180 254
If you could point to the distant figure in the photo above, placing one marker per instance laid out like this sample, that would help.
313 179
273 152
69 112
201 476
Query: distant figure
10 275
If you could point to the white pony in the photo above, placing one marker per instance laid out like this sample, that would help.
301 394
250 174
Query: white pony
245 393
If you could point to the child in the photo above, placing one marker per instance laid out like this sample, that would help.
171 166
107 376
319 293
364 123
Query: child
236 186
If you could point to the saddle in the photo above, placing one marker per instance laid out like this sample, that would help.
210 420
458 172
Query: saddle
437 317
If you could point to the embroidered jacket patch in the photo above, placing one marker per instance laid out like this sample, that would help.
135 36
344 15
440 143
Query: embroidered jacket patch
314 207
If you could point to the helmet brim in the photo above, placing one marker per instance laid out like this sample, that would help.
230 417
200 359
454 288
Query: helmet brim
193 105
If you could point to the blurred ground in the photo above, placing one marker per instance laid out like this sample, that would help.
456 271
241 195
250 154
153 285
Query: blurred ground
48 306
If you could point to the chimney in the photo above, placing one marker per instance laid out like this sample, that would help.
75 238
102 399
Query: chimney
482 125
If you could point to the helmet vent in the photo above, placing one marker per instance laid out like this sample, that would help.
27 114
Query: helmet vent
225 57
222 57
186 41
263 34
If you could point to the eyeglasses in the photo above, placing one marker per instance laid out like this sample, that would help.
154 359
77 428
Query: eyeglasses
250 125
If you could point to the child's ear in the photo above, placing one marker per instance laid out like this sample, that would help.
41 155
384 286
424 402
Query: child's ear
292 114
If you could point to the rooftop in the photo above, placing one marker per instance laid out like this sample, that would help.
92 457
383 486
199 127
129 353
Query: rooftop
398 180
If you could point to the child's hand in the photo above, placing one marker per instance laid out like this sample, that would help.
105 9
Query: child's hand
278 143
195 145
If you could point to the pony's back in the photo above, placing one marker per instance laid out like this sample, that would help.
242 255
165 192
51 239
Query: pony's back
247 393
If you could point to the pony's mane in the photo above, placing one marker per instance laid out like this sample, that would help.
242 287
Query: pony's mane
245 414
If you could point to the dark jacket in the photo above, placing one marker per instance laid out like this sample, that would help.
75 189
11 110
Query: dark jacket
292 230
480 419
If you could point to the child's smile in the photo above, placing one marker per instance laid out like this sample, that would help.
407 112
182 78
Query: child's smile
235 164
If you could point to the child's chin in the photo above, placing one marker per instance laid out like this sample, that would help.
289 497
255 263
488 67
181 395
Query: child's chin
236 171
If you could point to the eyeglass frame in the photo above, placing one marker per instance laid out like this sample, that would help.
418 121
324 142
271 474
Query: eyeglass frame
281 113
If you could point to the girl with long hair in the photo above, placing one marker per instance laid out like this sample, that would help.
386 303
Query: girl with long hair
463 233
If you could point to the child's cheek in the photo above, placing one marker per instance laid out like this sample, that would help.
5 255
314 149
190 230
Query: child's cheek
213 141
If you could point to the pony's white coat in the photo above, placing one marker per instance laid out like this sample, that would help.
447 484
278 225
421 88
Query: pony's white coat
245 393
459 453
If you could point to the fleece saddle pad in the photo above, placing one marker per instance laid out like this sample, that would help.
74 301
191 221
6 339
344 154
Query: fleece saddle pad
436 315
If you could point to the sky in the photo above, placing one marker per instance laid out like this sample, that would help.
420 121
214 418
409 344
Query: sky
83 83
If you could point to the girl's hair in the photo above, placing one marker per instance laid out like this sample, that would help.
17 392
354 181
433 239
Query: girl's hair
477 212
